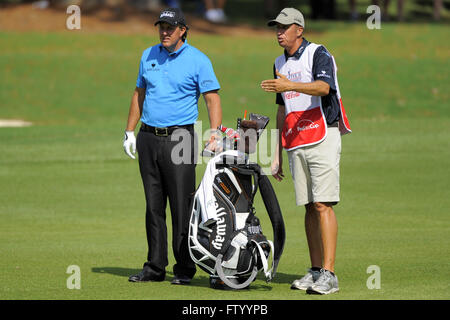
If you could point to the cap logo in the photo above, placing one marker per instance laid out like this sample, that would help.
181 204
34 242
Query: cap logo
284 13
169 14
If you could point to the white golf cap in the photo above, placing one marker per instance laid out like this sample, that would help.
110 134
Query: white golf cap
288 16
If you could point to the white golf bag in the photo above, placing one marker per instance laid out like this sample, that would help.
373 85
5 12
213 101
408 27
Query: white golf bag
225 236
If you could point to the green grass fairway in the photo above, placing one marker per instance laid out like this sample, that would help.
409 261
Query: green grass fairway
70 196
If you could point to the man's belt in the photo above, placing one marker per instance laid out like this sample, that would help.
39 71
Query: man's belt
166 131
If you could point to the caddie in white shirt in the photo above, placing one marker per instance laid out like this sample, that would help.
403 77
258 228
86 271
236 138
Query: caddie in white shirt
310 121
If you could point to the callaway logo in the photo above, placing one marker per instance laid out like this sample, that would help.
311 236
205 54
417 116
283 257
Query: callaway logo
167 14
221 228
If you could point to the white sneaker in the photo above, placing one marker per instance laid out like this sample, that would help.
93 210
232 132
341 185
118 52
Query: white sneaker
307 280
326 284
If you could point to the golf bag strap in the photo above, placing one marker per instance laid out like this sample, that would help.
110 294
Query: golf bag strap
224 278
276 217
267 272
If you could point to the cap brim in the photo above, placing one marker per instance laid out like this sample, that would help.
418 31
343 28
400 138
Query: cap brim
164 20
171 23
279 20
274 22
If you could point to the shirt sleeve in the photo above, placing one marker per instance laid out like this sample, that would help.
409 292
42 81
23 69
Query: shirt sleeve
140 81
323 67
279 98
207 80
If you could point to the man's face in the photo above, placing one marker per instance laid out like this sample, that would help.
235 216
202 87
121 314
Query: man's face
170 35
288 34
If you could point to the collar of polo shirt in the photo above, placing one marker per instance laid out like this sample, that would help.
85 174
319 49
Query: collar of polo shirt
299 51
183 46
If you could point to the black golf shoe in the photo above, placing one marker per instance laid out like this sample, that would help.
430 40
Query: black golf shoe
147 275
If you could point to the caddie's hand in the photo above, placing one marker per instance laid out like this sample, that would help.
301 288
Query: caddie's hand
282 84
129 144
277 169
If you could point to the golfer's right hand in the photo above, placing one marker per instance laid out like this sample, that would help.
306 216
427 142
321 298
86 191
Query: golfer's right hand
129 144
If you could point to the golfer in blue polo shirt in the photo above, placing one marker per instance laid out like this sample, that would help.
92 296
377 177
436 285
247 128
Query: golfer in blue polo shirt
172 75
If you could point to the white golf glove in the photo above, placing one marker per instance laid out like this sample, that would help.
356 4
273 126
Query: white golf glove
129 144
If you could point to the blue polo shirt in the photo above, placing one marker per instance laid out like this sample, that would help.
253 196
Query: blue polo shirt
173 82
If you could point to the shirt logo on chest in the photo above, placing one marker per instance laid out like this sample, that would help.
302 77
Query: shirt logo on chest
152 68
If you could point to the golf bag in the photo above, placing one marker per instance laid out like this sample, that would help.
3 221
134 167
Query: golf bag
225 235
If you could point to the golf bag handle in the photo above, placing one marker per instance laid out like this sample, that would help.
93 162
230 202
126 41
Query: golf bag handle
223 277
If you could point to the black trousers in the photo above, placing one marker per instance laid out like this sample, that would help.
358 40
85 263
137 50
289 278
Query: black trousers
164 180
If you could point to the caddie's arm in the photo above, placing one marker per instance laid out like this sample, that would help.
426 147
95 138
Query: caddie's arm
134 114
283 84
212 100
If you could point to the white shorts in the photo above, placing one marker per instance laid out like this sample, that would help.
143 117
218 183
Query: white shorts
315 170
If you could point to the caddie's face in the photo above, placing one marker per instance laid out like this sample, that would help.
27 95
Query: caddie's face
287 35
169 35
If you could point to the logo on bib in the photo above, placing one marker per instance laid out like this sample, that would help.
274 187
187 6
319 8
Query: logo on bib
303 128
305 124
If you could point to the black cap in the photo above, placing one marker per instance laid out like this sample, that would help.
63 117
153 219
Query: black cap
173 16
